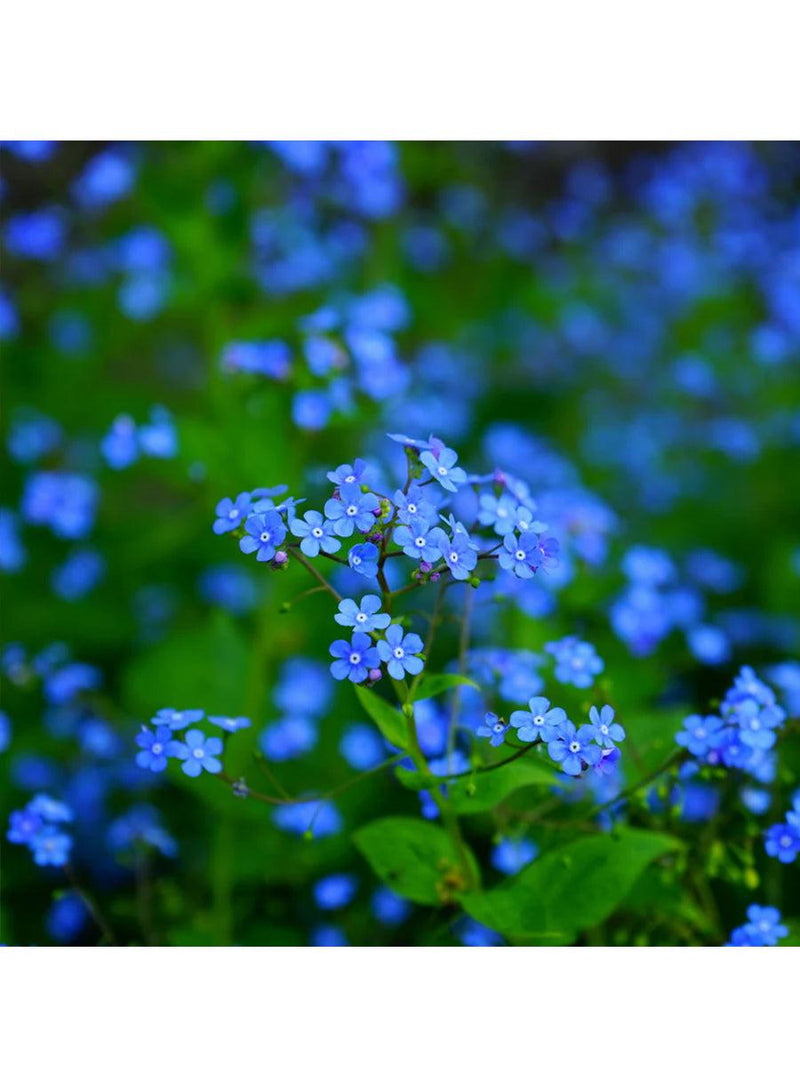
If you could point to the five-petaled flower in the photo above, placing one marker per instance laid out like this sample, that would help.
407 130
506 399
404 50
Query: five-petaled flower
539 721
364 616
574 748
607 732
199 753
316 533
263 533
399 651
354 659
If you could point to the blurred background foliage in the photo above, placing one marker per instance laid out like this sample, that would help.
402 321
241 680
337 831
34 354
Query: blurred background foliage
619 319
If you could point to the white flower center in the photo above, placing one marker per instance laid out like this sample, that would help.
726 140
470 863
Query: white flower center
355 658
519 554
352 510
198 752
316 532
412 508
538 720
361 617
233 513
604 729
350 479
574 747
264 538
442 471
157 748
356 560
399 652
454 557
420 542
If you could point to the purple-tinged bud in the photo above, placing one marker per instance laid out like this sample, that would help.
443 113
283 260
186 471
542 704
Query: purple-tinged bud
377 511
280 559
435 576
424 566
374 675
377 537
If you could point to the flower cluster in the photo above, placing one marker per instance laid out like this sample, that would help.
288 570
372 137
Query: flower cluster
783 839
763 928
197 752
40 826
125 442
574 749
743 734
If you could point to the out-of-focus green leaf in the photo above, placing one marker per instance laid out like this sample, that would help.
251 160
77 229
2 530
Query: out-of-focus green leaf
570 889
437 683
417 859
478 792
390 720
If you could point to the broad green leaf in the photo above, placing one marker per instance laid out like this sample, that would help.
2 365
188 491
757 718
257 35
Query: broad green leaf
435 684
478 792
570 889
482 791
417 859
392 723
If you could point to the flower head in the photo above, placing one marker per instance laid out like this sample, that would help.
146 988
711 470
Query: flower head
199 753
539 721
363 558
574 748
354 659
157 747
364 616
353 509
492 729
440 461
607 732
317 533
263 533
399 651
231 513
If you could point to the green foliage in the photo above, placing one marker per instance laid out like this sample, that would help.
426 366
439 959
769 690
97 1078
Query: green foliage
390 720
482 791
417 859
571 888
431 686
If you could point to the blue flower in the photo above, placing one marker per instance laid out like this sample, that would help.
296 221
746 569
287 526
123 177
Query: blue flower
783 842
499 512
762 929
361 746
49 809
440 461
288 738
458 553
178 718
364 616
348 474
363 558
264 532
492 729
231 513
157 747
388 907
334 891
354 659
120 446
576 662
326 934
573 749
398 651
316 533
353 509
231 724
23 826
51 847
199 753
539 721
417 541
520 555
510 855
756 724
412 506
323 819
607 731
701 734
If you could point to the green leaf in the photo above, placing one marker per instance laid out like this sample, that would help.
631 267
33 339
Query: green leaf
482 791
478 792
391 721
417 859
569 889
435 684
